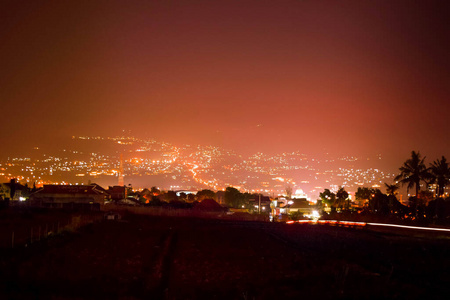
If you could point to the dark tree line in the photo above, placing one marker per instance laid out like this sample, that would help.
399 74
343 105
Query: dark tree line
423 205
231 198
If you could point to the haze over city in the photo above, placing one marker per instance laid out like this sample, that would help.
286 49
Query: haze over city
143 162
348 78
211 149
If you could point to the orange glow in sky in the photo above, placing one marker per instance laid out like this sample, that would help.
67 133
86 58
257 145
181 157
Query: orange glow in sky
335 76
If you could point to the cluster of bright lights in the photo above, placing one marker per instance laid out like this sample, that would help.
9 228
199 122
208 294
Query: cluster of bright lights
196 166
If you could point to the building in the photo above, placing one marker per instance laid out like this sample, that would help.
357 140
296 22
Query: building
299 205
4 191
20 192
264 201
117 192
84 197
299 194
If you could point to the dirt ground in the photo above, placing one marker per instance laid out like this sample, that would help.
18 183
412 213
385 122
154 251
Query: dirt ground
148 257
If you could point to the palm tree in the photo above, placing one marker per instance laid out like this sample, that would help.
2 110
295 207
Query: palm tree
391 189
440 174
412 172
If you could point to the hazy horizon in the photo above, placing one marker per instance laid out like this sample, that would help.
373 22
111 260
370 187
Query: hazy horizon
348 78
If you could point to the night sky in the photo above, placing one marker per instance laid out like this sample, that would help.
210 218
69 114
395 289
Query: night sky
351 77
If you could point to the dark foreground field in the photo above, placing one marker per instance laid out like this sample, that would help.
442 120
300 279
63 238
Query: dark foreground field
142 257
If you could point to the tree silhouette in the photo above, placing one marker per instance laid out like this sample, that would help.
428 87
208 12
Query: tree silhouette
171 196
379 203
328 198
440 174
205 194
288 191
341 197
412 172
364 193
233 197
155 191
391 189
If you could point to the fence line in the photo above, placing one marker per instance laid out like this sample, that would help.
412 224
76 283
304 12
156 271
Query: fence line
19 236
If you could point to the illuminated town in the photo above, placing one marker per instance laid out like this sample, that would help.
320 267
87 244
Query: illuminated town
147 162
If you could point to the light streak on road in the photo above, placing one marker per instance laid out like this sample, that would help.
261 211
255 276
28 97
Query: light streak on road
328 222
409 227
362 224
